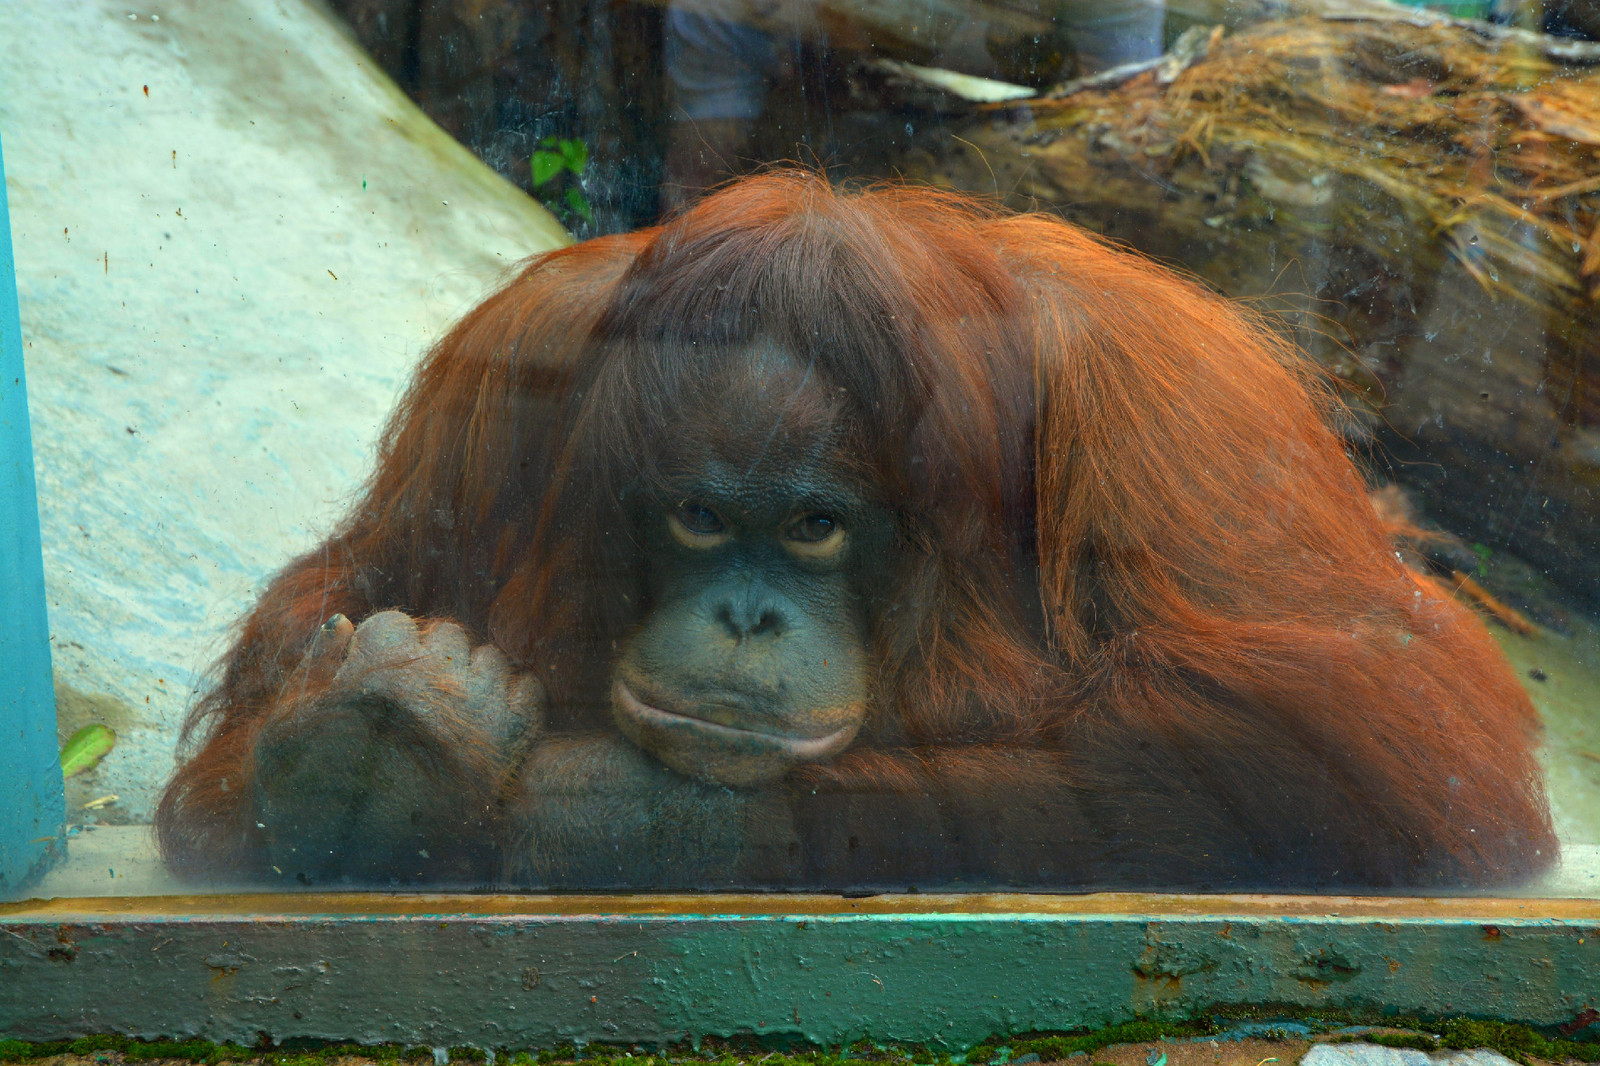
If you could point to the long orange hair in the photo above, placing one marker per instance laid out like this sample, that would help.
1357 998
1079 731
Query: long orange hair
1127 537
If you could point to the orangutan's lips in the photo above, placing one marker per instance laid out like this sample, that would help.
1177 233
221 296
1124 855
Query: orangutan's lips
802 749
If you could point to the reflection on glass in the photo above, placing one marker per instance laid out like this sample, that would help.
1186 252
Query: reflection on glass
793 532
725 57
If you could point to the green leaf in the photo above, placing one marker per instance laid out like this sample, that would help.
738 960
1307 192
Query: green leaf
580 204
85 748
545 165
576 155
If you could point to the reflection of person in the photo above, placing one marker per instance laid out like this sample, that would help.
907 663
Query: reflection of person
724 56
721 68
1109 33
1559 18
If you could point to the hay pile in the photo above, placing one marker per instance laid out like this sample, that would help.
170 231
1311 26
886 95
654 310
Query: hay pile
1468 135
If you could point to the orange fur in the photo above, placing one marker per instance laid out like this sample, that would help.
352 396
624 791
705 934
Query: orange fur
1132 553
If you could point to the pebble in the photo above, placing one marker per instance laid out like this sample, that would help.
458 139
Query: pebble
1378 1055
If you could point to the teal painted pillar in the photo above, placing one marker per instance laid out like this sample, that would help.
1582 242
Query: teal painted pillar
32 803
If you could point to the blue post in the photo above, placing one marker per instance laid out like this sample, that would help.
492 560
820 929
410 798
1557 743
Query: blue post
32 803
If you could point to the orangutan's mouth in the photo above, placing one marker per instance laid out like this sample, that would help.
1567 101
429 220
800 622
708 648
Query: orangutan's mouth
671 726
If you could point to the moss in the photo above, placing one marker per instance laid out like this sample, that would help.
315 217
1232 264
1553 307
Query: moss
130 1050
1054 1046
88 1045
1418 1041
302 1059
191 1050
1518 1042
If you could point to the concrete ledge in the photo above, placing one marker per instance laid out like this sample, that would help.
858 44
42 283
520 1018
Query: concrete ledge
534 971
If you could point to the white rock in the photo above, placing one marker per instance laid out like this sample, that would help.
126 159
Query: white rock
1363 1055
1360 1054
232 247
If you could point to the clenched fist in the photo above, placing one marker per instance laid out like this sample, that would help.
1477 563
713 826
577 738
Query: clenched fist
389 752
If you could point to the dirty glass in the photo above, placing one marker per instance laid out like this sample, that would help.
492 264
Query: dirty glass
815 444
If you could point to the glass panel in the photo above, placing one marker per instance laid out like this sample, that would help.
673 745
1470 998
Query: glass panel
973 444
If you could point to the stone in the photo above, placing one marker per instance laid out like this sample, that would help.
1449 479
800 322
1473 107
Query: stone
234 239
1363 1054
1360 1054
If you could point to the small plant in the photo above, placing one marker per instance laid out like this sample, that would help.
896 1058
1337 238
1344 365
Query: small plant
556 166
85 748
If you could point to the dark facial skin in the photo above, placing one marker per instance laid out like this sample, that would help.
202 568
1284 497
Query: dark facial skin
753 657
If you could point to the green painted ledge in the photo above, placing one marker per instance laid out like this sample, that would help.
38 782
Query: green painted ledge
538 971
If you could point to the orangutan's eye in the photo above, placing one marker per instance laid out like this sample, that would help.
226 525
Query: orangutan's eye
697 526
697 519
813 528
815 535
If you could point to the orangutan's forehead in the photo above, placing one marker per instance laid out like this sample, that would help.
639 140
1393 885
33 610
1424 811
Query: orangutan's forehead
764 372
753 418
759 400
